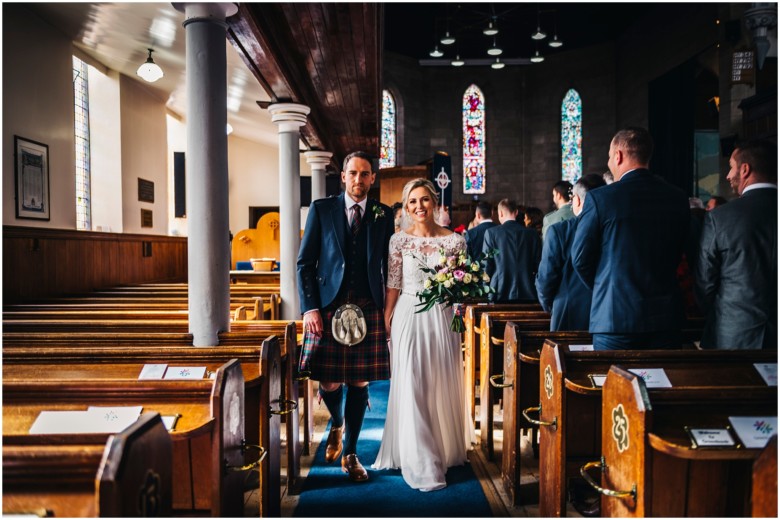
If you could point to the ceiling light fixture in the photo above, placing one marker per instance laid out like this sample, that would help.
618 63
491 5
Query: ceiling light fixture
436 53
149 70
538 35
457 62
495 50
447 39
537 58
555 42
497 65
490 30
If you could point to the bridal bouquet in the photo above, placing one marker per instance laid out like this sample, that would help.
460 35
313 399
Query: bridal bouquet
455 279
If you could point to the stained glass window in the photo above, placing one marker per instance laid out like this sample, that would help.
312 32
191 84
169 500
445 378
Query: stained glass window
473 141
81 132
387 148
571 136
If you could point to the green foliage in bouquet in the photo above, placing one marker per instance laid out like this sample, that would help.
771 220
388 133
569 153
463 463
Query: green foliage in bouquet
454 280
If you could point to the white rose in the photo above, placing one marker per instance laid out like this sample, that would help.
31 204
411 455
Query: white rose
448 284
440 277
485 277
475 267
467 278
427 283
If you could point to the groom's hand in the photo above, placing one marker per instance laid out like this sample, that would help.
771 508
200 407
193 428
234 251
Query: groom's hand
312 323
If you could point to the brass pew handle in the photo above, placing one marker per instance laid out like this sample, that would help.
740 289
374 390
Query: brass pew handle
303 375
292 406
477 330
496 341
604 491
553 424
500 385
251 465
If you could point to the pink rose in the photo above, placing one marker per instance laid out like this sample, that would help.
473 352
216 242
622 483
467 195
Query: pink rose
458 275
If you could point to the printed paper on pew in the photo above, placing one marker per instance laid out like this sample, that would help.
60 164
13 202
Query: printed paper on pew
185 373
59 422
754 432
653 377
580 348
768 371
111 419
153 371
711 437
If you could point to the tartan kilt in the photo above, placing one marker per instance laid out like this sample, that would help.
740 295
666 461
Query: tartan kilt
328 360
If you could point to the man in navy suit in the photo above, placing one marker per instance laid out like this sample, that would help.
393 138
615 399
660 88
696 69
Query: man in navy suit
343 259
476 235
736 275
629 240
558 287
519 248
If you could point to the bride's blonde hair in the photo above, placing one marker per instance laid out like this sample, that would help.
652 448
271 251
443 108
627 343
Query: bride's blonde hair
412 185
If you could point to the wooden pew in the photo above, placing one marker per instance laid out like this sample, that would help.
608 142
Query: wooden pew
491 334
471 320
121 475
521 390
208 439
648 464
86 348
764 499
96 330
570 402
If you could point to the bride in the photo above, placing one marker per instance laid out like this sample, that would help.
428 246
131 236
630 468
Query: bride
427 429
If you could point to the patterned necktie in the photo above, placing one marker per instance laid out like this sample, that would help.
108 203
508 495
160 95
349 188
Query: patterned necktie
355 224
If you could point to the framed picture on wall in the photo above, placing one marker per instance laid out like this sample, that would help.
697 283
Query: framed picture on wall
31 161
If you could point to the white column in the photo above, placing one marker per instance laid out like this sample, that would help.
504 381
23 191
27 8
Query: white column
208 245
318 161
289 117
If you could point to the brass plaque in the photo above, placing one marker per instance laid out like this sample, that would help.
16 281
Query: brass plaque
147 218
145 190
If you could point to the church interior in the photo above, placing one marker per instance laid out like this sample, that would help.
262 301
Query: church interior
148 226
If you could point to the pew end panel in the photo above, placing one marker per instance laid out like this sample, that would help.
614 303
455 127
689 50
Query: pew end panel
270 396
127 488
764 493
552 448
625 420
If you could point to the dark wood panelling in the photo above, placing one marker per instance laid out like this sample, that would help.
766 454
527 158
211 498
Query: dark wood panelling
326 56
40 262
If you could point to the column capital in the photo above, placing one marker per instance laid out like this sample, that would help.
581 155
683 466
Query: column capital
318 160
289 117
199 10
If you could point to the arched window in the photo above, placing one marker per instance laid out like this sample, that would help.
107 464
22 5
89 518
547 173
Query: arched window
571 136
473 141
387 147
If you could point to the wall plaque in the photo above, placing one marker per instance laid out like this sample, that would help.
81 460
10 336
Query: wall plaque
145 190
147 218
743 68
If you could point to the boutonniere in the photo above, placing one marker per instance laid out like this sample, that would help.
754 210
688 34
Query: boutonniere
379 212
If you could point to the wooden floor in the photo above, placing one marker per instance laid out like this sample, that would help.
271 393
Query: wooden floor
489 473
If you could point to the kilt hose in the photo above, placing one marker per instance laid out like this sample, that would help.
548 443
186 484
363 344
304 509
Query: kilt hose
330 361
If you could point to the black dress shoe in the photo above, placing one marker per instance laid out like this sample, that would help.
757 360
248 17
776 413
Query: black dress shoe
334 445
350 464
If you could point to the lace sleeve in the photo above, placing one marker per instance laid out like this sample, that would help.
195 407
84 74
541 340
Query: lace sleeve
395 264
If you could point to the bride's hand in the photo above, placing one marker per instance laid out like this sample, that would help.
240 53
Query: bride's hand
388 324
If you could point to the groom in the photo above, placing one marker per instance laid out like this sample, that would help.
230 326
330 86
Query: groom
343 259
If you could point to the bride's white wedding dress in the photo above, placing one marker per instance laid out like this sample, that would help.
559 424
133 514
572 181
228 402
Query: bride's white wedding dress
427 428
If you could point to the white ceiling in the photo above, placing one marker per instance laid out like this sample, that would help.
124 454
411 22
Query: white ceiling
117 35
